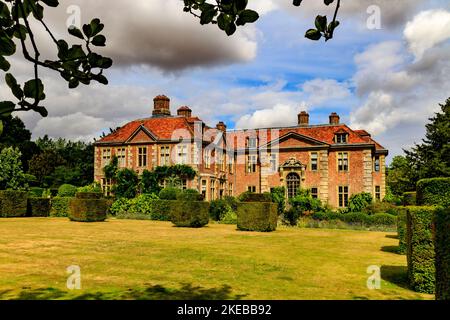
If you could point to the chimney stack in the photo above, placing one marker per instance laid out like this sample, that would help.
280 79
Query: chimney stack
221 126
184 112
303 118
334 118
161 106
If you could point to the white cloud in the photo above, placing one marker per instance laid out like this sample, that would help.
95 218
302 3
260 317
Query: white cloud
322 90
426 30
279 115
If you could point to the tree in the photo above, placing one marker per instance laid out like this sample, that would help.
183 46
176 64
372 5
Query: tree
431 158
401 176
15 134
11 172
76 64
43 165
79 64
126 185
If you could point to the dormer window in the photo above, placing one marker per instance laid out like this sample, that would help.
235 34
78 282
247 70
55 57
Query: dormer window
341 137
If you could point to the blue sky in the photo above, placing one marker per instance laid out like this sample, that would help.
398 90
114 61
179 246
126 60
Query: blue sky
387 81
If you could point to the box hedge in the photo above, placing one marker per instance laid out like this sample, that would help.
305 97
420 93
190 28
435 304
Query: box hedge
434 191
409 198
401 230
420 249
13 203
257 216
60 207
442 249
255 197
161 210
192 214
85 209
39 207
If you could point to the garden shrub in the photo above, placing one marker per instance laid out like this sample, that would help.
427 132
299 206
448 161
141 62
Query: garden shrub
358 202
218 209
392 198
291 216
442 249
401 230
82 209
382 219
120 206
190 195
161 210
230 217
232 202
434 191
169 193
67 190
191 214
279 197
36 192
127 182
355 218
93 187
255 197
39 207
13 203
409 198
380 207
420 249
60 207
302 203
257 216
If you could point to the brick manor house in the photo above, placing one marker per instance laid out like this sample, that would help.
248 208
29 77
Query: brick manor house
331 160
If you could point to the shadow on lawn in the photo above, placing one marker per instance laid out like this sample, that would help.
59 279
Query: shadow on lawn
155 292
391 249
397 275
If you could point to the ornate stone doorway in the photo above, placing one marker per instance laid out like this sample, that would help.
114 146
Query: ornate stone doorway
292 175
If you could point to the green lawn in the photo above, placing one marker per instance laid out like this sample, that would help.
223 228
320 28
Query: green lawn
127 259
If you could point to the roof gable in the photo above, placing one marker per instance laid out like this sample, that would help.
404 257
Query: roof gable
141 134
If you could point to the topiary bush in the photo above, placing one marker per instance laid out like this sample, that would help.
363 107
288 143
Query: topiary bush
190 214
420 249
67 190
83 209
382 219
255 197
13 203
442 250
358 202
60 207
409 198
189 195
36 192
169 193
257 216
434 191
401 230
89 195
39 207
161 210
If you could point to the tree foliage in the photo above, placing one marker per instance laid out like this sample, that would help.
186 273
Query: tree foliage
126 184
431 158
76 63
11 172
400 176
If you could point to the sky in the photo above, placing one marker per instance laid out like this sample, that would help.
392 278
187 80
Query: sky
385 71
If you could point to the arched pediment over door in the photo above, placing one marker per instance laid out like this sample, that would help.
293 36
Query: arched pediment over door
292 174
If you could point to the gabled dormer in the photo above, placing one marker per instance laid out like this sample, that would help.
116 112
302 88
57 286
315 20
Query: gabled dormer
341 136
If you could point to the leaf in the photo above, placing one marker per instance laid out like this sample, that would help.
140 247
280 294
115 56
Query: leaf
42 111
99 41
297 3
51 3
313 34
96 26
6 107
241 5
332 26
7 47
328 2
34 89
10 80
208 15
74 31
20 32
73 83
321 23
87 30
247 16
4 64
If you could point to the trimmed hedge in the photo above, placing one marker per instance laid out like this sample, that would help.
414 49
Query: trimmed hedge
190 195
67 190
39 207
255 197
60 207
420 249
257 216
442 249
13 203
401 230
191 214
409 198
435 191
161 210
88 195
87 210
36 192
169 193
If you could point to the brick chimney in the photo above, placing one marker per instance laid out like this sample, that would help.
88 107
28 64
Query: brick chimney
303 118
184 112
161 106
221 126
334 118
